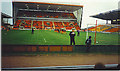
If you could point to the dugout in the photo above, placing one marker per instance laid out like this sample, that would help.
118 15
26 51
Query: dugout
53 12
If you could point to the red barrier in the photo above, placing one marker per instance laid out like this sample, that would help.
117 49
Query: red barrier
35 48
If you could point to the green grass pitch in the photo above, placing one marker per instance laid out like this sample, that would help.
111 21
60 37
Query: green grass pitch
46 37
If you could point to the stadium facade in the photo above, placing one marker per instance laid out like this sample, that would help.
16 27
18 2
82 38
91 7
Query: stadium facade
4 21
46 15
112 16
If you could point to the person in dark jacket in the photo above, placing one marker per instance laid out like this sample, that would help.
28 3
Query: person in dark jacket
72 37
32 31
78 32
88 44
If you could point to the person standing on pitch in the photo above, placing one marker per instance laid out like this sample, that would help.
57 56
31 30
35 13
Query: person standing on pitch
78 32
32 31
72 36
88 44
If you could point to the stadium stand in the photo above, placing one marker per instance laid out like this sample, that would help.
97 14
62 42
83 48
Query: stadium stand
16 25
48 24
114 29
37 24
45 16
5 25
58 25
68 25
109 27
105 28
76 26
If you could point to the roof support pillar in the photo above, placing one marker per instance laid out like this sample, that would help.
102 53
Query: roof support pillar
42 25
79 16
32 24
106 21
7 20
15 11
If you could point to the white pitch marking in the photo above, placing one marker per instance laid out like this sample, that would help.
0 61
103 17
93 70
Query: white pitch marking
44 40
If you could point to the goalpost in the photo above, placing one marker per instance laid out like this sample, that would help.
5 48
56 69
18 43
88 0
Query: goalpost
95 25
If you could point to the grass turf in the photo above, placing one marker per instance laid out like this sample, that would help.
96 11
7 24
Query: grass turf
46 37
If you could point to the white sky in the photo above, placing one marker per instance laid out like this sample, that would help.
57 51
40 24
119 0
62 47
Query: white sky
91 7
